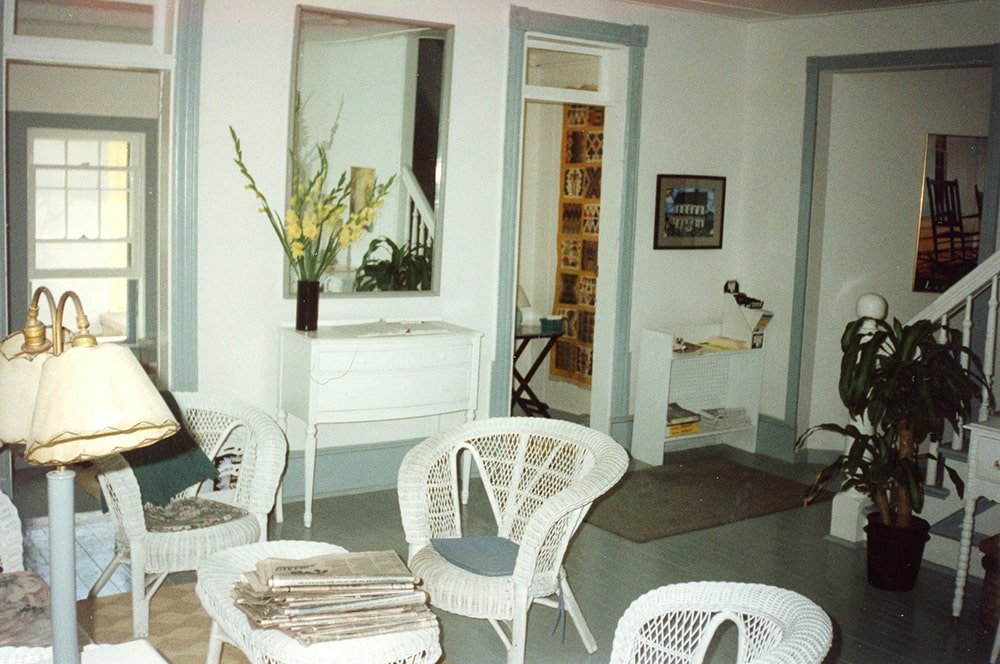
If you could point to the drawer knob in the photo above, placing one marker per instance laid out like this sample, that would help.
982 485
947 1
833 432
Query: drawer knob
996 464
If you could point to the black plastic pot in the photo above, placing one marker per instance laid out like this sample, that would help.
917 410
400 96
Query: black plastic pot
894 554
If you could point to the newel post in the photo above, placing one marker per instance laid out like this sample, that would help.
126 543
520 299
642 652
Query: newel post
847 519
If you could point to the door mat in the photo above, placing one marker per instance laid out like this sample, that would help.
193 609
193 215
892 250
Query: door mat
682 497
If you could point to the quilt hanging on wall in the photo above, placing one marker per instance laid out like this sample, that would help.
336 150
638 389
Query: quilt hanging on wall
579 225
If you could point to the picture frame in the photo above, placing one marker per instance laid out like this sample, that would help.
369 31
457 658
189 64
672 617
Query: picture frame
689 211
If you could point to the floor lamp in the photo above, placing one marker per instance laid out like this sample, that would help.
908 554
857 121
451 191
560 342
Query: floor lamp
68 405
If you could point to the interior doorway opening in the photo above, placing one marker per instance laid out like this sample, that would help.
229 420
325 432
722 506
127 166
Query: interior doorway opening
558 249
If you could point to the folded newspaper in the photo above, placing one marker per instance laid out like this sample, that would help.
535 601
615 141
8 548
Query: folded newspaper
333 596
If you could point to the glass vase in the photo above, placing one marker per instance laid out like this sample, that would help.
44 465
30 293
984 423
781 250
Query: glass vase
307 305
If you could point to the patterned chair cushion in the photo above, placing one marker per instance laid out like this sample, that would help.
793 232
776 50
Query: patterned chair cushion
24 610
189 513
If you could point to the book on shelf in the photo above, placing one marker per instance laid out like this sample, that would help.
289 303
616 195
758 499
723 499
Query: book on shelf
677 414
683 429
719 418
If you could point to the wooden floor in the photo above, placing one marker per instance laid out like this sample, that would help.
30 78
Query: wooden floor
788 549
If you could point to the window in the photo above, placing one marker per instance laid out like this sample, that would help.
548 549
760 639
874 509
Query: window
85 222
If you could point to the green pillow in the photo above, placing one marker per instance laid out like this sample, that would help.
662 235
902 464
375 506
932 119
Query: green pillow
171 465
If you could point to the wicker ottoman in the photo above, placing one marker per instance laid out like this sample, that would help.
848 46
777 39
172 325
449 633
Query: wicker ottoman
218 572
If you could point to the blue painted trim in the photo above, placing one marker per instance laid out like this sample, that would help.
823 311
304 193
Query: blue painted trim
183 357
815 66
522 21
4 304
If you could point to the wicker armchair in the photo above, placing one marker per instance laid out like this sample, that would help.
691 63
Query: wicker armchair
540 476
200 526
676 623
11 542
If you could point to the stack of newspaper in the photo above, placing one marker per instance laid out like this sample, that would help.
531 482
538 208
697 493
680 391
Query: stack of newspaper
333 596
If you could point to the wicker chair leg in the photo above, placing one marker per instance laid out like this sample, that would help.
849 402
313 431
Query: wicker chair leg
105 576
518 631
215 640
573 609
140 602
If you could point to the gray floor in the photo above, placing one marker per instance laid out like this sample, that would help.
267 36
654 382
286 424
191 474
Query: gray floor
787 549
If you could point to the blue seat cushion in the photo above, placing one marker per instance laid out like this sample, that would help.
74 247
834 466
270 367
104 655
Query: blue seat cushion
483 555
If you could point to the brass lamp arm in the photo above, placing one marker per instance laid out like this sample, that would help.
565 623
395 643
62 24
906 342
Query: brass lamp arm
34 331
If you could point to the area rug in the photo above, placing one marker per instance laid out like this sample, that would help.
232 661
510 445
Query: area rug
692 495
178 625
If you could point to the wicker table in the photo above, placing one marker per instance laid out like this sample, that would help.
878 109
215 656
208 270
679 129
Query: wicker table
218 572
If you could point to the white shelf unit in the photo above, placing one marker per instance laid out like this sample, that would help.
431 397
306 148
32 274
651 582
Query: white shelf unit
696 381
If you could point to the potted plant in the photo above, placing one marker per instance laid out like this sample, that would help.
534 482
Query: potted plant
388 266
901 384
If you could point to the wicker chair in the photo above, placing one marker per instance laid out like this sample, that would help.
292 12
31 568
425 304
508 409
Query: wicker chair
11 542
221 427
540 477
677 623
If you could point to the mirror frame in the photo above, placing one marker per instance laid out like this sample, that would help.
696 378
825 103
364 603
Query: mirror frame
448 32
776 437
976 144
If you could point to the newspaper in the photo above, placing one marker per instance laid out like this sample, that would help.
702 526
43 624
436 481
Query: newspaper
335 569
333 596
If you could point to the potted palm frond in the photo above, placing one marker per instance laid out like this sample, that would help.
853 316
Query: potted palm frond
388 266
901 384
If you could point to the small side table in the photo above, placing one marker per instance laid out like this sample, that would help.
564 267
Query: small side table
218 573
983 482
522 394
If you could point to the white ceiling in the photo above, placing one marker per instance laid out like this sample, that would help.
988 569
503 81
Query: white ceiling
754 10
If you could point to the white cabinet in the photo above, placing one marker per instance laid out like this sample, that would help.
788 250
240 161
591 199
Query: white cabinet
704 379
374 372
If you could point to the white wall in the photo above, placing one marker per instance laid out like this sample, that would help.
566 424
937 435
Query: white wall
867 230
719 98
772 137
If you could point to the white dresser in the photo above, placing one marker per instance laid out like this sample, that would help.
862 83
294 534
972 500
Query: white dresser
373 372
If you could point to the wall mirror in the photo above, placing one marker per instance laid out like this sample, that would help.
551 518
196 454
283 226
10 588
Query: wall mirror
374 93
951 210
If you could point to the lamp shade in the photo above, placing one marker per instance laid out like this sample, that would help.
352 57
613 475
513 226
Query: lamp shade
20 373
94 401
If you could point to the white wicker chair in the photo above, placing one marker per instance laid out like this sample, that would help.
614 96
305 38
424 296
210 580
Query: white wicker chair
540 476
221 427
11 542
675 624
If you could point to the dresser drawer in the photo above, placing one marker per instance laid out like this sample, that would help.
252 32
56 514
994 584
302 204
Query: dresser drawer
358 395
341 361
988 462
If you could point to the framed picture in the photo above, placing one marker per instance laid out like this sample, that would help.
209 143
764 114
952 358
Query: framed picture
689 212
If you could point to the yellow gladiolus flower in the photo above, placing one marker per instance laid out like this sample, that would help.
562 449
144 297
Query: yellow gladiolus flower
298 250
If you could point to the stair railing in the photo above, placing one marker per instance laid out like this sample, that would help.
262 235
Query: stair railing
420 218
956 308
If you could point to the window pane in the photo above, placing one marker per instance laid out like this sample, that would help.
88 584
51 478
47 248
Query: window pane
94 20
48 151
50 177
82 153
50 214
114 153
82 215
81 255
81 179
114 215
563 69
114 180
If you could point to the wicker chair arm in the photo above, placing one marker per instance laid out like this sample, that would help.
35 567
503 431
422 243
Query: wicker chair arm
265 450
11 544
121 489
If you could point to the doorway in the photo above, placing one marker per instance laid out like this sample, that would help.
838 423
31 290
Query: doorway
617 51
